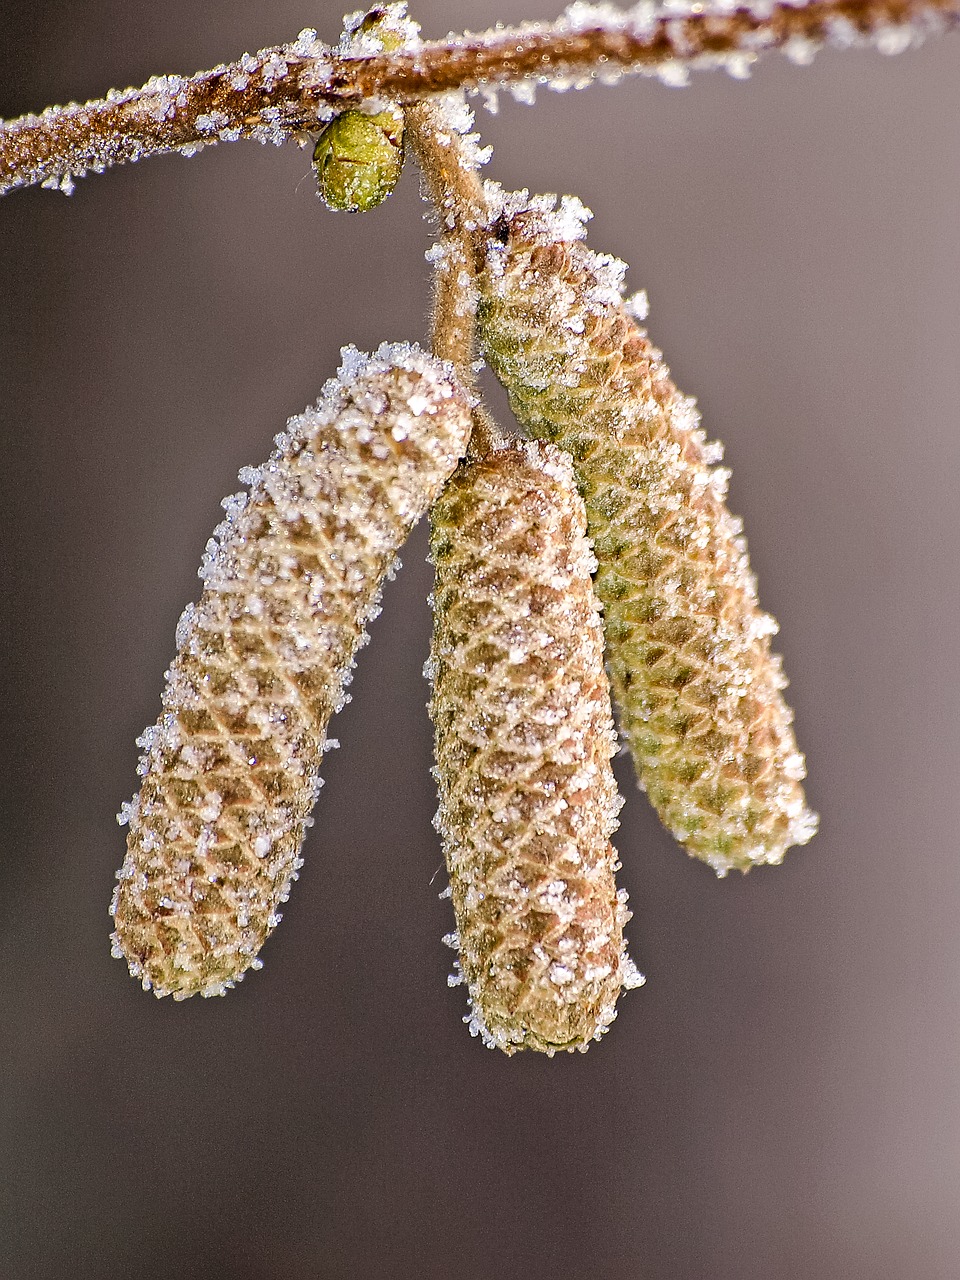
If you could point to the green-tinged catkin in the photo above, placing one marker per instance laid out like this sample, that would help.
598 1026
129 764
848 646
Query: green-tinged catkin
231 769
524 738
698 690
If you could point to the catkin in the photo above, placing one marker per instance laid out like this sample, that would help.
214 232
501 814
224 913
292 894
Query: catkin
524 738
230 770
698 690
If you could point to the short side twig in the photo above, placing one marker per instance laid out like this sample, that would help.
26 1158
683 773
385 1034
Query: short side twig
456 193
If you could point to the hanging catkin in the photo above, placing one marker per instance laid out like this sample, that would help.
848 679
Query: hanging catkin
524 735
230 771
699 692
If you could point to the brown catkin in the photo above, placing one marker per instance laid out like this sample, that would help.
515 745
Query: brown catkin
524 738
698 690
231 769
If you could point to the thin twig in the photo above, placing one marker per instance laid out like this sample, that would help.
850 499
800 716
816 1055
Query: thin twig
295 87
456 193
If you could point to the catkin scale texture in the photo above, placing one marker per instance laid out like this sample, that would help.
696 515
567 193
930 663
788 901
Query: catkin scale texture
524 738
231 769
698 690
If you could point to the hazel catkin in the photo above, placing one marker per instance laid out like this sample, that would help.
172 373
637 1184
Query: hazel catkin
698 691
524 739
231 769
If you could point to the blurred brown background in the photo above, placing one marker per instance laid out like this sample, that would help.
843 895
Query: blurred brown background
782 1100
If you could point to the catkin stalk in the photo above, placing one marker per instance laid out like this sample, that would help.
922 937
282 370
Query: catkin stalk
231 769
698 690
524 738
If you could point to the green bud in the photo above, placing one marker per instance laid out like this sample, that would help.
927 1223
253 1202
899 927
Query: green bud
358 159
388 25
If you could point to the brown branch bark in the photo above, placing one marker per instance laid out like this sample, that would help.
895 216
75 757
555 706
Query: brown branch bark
293 87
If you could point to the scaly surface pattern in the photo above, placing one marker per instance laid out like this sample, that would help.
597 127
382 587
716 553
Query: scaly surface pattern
231 769
698 690
524 735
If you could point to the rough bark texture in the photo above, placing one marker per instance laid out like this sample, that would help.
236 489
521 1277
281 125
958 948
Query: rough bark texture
231 769
698 689
521 707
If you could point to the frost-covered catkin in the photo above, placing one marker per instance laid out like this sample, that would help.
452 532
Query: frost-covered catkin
230 771
698 689
524 735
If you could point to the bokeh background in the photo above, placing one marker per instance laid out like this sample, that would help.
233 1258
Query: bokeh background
782 1100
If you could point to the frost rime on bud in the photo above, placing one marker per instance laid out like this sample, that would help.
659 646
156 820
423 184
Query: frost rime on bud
230 771
699 692
524 734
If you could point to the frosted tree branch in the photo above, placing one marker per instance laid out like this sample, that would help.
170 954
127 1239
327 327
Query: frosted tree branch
292 88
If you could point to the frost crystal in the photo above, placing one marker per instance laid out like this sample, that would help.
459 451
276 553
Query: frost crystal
231 769
457 115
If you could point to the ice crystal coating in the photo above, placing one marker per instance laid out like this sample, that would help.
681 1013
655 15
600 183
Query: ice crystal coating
524 734
698 690
231 769
285 92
